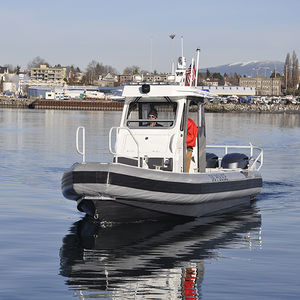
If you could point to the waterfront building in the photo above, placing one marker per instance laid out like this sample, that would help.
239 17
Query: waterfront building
75 77
210 82
61 92
108 80
155 77
124 78
45 74
230 90
264 86
3 72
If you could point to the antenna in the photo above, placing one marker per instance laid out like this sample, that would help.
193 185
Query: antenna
182 46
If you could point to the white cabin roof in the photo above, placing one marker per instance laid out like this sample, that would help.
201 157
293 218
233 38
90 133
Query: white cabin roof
132 91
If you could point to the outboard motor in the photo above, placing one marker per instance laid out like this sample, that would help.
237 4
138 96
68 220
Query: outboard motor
212 160
235 161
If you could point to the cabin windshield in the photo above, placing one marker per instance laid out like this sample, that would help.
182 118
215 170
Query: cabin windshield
151 114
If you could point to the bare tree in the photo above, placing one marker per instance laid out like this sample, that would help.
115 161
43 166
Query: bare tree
234 78
131 70
91 72
94 69
10 68
144 72
36 62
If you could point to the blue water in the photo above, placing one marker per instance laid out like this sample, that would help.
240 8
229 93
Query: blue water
49 250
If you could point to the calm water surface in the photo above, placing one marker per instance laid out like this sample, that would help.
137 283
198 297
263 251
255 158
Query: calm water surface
51 251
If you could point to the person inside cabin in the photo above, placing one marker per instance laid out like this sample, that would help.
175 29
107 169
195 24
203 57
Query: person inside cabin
152 115
191 137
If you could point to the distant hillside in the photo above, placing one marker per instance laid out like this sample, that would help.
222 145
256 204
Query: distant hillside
250 68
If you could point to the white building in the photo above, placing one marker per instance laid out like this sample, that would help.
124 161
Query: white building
230 90
3 72
64 92
45 74
210 82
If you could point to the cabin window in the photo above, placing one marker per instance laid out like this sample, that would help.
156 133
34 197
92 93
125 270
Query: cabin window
151 114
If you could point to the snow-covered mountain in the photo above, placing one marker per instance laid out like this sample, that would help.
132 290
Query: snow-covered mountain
250 68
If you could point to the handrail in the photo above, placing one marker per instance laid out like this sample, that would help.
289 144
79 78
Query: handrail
261 157
258 159
134 139
83 142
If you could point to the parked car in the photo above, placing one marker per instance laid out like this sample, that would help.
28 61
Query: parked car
243 100
232 99
8 94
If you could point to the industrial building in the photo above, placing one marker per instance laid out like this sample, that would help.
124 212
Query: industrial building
64 92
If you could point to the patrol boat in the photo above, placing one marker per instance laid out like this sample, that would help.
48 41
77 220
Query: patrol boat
151 176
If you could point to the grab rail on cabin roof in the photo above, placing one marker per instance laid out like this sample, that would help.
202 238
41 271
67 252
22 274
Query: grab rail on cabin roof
82 153
117 133
258 159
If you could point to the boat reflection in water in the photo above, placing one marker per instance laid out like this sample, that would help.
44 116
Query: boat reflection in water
160 259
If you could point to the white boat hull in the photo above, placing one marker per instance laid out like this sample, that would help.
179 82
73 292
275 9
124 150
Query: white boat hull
114 191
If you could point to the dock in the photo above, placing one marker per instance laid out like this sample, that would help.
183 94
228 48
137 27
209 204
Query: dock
77 105
104 105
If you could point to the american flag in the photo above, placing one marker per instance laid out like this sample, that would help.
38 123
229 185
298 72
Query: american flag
190 75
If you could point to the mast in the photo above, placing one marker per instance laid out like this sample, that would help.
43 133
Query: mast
151 46
192 72
197 66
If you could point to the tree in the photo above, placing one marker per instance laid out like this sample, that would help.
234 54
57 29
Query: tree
17 70
94 69
273 75
295 71
131 70
91 71
144 72
234 78
36 62
219 77
10 68
207 74
287 72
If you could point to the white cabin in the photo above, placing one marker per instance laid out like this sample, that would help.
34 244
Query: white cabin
161 147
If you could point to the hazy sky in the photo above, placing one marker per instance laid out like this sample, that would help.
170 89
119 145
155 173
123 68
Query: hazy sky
122 33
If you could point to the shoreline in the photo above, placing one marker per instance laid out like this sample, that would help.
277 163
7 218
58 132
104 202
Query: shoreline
252 108
108 105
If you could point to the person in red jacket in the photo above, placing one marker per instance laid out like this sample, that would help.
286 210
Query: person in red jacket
191 137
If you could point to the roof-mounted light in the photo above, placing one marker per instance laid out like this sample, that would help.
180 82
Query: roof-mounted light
145 88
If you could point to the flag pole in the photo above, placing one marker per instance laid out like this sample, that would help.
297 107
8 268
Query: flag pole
192 71
172 56
197 67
